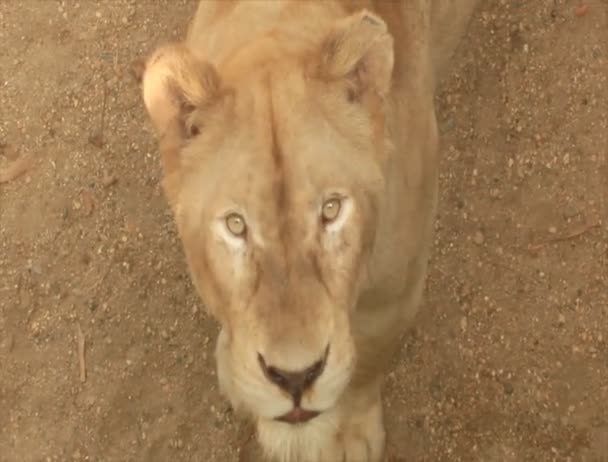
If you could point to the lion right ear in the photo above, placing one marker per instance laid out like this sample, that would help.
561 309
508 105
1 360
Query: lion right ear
175 84
358 48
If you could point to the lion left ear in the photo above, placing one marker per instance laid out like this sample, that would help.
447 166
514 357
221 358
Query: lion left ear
358 48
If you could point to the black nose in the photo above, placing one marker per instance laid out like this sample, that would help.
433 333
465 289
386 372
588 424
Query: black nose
294 382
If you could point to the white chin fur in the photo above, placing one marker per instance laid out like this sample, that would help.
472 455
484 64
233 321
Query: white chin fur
282 442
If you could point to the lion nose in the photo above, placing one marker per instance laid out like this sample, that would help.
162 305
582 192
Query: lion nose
294 382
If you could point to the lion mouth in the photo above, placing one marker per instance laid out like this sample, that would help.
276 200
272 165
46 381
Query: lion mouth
298 416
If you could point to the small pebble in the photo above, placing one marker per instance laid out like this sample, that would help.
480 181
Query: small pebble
463 324
581 10
478 238
96 139
109 180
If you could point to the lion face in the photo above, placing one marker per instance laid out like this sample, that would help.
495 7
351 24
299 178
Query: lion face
274 175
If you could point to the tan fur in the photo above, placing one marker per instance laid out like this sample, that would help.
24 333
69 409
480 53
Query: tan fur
267 109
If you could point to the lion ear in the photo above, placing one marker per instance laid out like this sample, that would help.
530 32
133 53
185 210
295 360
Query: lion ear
360 48
175 84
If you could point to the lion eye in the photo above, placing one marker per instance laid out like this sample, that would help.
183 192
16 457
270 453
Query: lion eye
236 224
330 210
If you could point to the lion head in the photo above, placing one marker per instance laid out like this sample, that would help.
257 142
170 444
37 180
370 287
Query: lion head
273 162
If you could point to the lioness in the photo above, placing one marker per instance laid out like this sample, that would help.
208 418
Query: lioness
299 145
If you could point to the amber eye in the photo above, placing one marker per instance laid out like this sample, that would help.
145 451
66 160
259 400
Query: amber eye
330 210
236 224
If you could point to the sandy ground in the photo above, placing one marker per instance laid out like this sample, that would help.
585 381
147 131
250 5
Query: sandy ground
509 360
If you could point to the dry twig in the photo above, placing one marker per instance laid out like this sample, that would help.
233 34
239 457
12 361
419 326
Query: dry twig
137 69
15 169
535 248
81 350
97 139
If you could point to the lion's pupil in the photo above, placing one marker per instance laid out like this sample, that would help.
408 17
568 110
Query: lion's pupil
236 224
331 209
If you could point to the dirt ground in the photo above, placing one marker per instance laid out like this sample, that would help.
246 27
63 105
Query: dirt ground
509 359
